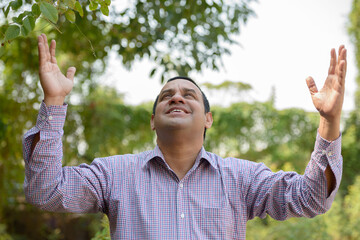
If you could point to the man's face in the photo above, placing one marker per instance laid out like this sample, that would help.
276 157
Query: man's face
180 106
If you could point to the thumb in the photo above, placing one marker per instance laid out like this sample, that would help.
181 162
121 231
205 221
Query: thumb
311 85
70 73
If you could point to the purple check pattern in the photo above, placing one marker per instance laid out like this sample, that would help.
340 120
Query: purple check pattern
144 199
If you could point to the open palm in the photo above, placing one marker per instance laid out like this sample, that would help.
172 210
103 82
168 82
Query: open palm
55 85
329 100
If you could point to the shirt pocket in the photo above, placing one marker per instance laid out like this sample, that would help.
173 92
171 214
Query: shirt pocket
215 222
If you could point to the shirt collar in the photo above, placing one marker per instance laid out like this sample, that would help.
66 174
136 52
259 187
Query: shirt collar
156 153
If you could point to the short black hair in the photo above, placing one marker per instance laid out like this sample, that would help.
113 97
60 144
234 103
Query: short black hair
205 100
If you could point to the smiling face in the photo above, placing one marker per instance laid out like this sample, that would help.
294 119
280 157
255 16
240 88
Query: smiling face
180 106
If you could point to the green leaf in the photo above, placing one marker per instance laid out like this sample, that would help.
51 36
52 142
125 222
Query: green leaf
12 32
24 31
105 10
6 12
93 6
27 13
2 51
35 9
15 5
49 11
70 15
79 9
108 2
153 72
21 16
62 8
18 19
29 23
70 3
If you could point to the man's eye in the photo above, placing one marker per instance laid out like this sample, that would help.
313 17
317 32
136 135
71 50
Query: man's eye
166 96
189 95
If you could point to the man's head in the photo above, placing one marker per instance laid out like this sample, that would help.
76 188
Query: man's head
179 103
205 100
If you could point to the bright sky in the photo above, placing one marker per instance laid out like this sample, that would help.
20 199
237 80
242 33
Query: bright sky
287 41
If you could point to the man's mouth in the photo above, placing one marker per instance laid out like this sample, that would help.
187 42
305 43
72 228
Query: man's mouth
176 110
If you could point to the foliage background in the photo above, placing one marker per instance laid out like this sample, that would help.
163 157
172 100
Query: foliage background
99 123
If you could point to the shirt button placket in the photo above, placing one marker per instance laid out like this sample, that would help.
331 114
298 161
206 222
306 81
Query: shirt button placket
181 212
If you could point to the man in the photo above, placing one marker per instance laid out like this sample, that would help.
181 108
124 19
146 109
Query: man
178 190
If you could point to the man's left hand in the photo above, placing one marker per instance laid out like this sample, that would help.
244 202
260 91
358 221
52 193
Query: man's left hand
329 100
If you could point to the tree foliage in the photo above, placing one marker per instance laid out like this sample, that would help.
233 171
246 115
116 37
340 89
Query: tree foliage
351 133
259 132
178 36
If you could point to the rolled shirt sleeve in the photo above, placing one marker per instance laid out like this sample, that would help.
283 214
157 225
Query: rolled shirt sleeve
287 194
52 187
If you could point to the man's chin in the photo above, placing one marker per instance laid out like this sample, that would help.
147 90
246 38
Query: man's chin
176 124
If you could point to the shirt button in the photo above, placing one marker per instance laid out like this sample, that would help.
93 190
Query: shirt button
181 185
182 215
50 117
43 117
323 152
330 154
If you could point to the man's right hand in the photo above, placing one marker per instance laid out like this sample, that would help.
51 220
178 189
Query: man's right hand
55 85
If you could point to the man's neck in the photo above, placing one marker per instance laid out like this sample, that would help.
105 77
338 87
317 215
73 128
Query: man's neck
180 155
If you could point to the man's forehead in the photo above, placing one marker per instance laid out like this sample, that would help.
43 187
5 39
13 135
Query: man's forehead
180 84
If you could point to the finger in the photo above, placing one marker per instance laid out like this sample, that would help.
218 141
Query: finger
342 57
41 49
71 73
342 72
342 66
43 42
341 47
52 51
332 66
311 85
48 56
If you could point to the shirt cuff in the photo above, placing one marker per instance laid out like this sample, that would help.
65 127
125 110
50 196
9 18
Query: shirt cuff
328 152
51 118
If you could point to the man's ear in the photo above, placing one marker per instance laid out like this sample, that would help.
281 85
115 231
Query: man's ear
152 124
208 120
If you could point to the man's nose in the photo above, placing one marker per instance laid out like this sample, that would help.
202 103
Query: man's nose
177 98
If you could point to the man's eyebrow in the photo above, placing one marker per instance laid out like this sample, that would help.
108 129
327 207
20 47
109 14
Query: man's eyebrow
193 91
189 90
166 91
171 90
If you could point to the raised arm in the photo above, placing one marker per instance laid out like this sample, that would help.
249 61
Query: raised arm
47 184
329 101
55 85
